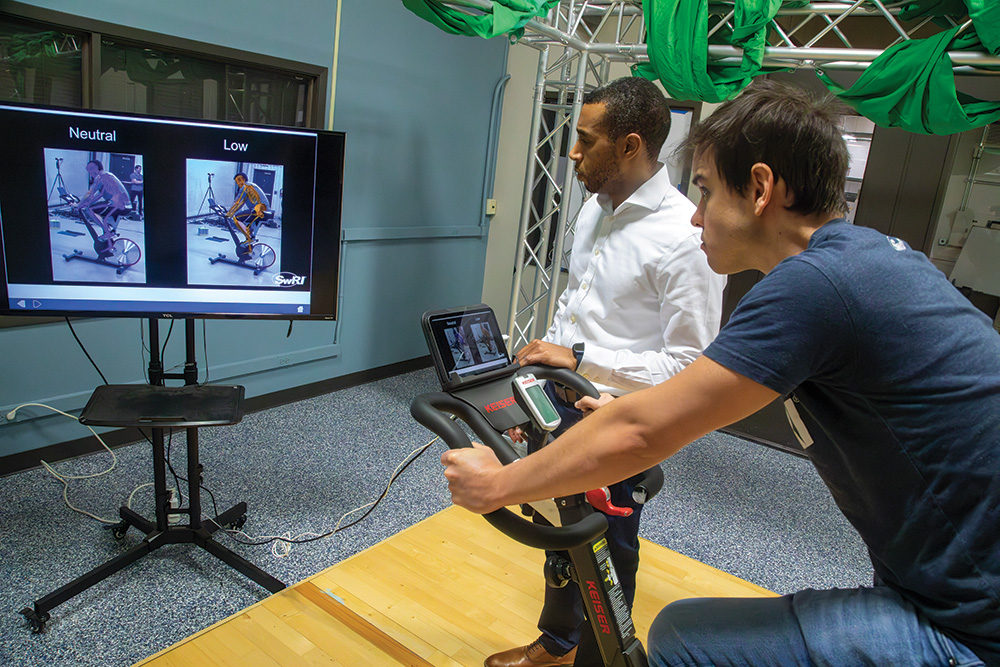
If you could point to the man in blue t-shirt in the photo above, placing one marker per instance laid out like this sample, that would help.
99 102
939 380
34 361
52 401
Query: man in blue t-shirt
891 381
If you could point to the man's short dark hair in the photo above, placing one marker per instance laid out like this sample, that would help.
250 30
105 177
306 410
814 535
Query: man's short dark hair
100 167
633 104
784 127
240 173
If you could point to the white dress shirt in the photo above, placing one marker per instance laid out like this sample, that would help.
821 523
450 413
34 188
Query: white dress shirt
640 296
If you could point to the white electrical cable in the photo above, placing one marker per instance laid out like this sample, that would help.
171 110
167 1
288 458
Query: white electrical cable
128 503
63 477
282 545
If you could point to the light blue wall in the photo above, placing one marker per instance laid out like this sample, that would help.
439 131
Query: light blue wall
415 103
294 29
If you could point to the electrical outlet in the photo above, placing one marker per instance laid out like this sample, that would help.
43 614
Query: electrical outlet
491 207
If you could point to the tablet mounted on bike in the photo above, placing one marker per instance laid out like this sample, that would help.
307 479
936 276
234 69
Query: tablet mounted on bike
472 362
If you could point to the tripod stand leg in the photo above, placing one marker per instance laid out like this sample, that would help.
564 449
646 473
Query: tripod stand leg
39 614
132 519
234 516
241 565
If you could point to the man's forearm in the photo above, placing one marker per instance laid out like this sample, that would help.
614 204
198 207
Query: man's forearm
608 446
627 436
633 433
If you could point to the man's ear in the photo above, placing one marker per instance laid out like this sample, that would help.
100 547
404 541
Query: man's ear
761 186
630 145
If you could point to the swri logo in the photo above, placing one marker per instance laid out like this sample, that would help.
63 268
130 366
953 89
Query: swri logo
286 279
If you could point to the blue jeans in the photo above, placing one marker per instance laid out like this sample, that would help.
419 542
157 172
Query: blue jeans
562 620
840 627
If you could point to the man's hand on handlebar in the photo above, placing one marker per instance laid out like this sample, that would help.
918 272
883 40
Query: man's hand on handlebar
547 354
588 404
471 475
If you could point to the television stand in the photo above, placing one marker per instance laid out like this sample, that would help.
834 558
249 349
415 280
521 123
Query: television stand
159 407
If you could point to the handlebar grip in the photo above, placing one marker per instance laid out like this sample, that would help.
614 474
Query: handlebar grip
650 484
429 409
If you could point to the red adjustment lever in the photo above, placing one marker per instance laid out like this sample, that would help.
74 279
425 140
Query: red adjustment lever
601 499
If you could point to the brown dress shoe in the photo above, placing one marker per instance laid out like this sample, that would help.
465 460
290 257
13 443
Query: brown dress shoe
532 655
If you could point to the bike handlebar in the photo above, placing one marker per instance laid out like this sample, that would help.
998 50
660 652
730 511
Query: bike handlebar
430 410
563 376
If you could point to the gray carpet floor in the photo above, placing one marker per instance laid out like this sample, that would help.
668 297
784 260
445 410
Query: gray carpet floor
758 513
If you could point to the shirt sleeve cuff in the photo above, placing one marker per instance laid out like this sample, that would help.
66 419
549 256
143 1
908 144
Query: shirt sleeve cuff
596 364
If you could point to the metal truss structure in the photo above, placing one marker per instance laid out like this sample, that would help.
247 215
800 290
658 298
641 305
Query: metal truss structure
577 42
53 44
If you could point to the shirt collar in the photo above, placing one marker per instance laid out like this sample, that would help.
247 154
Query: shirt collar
649 195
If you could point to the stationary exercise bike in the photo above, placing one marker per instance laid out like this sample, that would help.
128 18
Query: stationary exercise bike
250 254
492 395
117 252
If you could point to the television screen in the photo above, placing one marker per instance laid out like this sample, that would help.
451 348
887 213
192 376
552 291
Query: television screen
106 214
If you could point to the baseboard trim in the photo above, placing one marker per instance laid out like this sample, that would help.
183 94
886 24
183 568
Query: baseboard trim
126 436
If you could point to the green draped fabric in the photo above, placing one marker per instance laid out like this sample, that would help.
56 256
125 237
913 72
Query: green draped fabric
985 15
912 86
677 45
506 16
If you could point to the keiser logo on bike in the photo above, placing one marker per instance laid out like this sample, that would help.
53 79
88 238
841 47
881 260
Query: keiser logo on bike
499 405
286 279
599 613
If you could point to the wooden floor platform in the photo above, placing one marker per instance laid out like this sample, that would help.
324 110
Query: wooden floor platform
448 591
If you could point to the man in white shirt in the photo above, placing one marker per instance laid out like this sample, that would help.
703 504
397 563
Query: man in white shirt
640 305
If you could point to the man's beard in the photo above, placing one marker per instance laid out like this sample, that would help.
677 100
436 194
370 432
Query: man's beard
606 173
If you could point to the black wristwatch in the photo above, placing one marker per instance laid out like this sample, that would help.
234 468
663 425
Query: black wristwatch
578 353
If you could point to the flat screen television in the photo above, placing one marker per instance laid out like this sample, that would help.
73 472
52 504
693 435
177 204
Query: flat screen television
230 220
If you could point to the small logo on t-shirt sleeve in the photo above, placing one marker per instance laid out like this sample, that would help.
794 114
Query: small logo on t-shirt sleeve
898 244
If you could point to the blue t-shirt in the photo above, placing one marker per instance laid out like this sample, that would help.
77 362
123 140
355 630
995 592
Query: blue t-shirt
895 391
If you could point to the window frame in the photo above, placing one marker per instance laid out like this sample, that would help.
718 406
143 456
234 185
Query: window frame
94 30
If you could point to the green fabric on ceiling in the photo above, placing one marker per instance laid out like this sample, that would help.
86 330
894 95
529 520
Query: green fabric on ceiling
934 8
506 17
985 15
677 44
912 86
